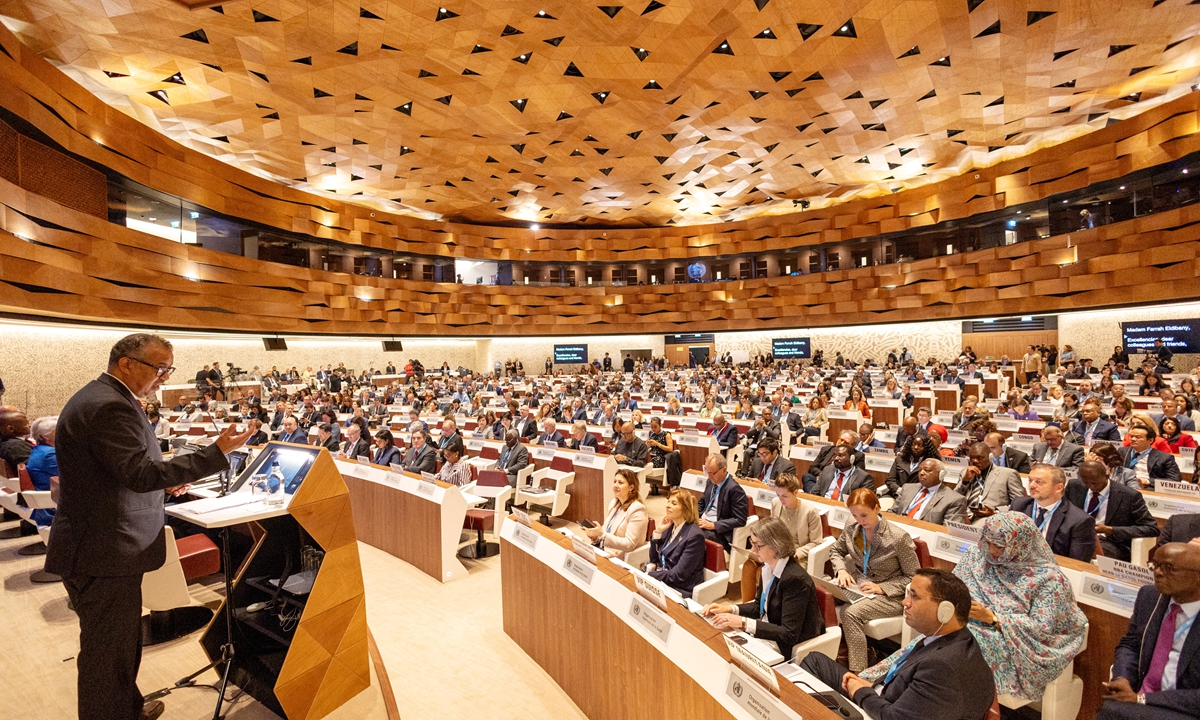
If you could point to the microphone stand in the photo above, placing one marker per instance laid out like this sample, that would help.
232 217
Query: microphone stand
227 650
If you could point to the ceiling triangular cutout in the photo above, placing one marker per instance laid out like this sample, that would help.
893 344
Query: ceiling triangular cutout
260 76
1115 49
723 48
304 60
760 4
914 50
756 119
635 134
653 85
1065 110
161 95
794 92
905 151
641 53
197 35
175 79
780 74
480 49
756 94
519 104
317 93
385 46
444 14
765 35
856 95
259 17
997 101
115 74
876 103
952 133
846 30
1096 116
577 153
993 29
606 171
445 99
554 40
572 71
600 96
520 148
807 30
815 76
669 136
1064 53
828 130
541 15
423 73
509 30
222 138
1036 16
611 10
1010 136
469 71
1177 42
360 96
523 58
1136 70
218 8
804 127
563 115
972 4
367 14
406 108
1067 84
351 49
941 62
654 5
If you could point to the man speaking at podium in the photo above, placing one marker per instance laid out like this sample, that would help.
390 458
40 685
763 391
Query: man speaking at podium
108 530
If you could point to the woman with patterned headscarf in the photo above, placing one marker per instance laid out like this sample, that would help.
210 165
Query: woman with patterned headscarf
1023 612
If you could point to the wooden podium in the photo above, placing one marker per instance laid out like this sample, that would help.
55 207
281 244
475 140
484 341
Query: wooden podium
304 670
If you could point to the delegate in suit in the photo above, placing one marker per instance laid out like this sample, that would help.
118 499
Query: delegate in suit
1069 530
929 498
420 458
1120 512
842 477
723 507
108 530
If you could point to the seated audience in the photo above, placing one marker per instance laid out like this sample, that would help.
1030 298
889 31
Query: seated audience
580 437
1120 512
814 418
1114 464
942 675
988 489
386 451
725 432
768 464
803 519
1148 463
915 449
355 445
677 551
1055 450
513 457
625 521
1068 530
784 609
1156 666
1182 528
876 559
292 433
1007 457
930 499
1174 436
420 458
550 434
723 507
42 463
926 426
1023 612
1092 425
455 469
259 437
630 449
842 477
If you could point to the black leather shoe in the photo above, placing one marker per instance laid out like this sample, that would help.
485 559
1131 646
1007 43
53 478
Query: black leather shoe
152 710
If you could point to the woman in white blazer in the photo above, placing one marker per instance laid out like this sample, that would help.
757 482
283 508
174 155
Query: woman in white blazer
624 525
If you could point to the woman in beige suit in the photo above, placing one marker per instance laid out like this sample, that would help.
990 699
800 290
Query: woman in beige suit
625 520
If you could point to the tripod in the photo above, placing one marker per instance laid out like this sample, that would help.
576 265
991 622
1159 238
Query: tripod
227 651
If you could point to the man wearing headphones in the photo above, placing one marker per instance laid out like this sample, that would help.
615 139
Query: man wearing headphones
940 676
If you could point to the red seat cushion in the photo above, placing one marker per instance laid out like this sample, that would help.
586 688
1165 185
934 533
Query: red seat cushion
714 559
479 520
198 556
923 556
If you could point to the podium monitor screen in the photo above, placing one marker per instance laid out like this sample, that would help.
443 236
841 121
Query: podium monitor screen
294 462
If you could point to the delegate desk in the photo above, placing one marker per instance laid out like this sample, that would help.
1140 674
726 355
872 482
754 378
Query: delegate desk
593 478
267 664
416 521
577 621
693 449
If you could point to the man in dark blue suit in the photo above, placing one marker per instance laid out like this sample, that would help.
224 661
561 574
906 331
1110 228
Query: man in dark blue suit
108 530
291 432
723 507
725 432
1156 666
1093 426
1069 530
1120 511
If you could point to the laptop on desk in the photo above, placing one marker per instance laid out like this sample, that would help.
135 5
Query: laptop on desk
848 595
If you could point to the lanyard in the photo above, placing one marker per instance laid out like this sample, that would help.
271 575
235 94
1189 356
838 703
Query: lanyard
918 499
1045 518
1182 630
762 602
613 519
895 668
1102 497
866 550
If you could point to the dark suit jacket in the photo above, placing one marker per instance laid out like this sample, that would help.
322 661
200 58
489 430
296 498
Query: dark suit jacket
259 438
516 460
386 456
727 437
635 452
1069 454
557 438
331 444
732 508
299 437
1180 528
424 460
589 440
793 615
1072 532
948 679
1132 658
1105 430
755 469
825 458
681 564
358 447
1126 514
1017 460
579 414
858 478
110 514
1160 465
527 427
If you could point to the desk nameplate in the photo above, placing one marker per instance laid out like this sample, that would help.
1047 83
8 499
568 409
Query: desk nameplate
526 537
543 453
839 517
1181 489
693 481
1108 591
752 698
580 569
651 618
751 663
763 498
1126 572
1161 507
950 546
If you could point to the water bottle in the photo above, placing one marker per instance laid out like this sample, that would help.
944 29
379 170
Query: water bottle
275 482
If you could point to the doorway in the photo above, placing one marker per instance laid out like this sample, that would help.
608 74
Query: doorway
698 355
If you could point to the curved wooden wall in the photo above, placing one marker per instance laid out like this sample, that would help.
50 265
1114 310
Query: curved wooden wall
80 266
34 90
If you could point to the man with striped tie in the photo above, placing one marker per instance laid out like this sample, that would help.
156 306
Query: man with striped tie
929 499
1120 511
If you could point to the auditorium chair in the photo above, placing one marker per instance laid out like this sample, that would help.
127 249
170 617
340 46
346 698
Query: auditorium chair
739 545
734 457
1063 696
28 500
1140 550
716 576
165 592
482 519
827 643
892 628
552 502
486 459
640 555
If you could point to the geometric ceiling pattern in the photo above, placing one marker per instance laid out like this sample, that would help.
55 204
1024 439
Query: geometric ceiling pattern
652 113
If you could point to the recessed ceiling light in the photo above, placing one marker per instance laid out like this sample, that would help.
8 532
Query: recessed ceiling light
1122 187
535 226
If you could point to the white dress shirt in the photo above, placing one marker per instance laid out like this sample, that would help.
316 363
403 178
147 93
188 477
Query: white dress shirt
1187 616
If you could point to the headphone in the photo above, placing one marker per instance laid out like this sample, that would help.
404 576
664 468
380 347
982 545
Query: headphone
945 612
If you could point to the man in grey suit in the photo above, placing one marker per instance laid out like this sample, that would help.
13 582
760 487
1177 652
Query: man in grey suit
1055 450
988 488
108 530
420 457
929 499
514 457
842 476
